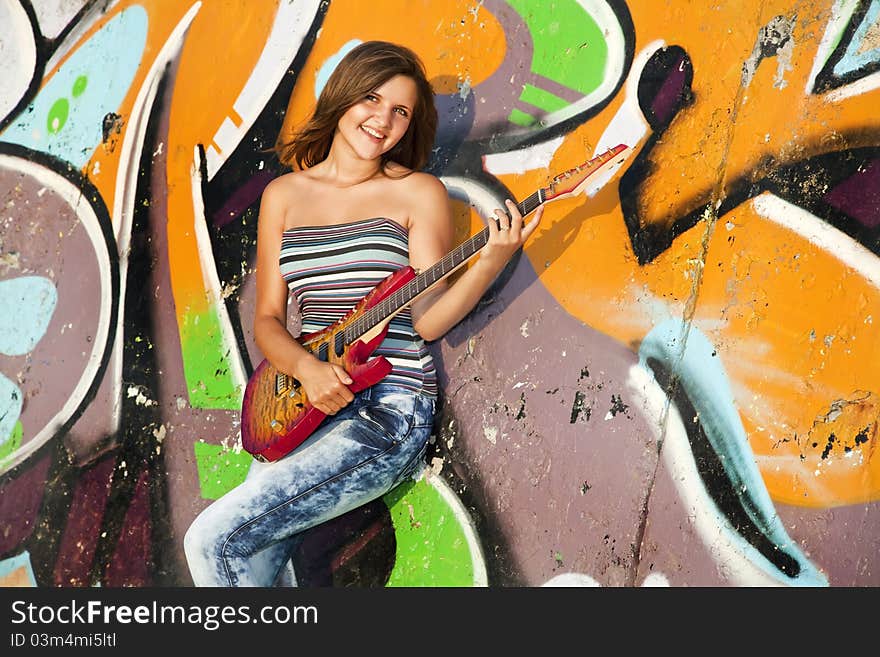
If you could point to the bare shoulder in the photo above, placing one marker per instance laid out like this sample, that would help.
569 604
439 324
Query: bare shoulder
424 183
429 212
284 186
408 180
426 197
279 198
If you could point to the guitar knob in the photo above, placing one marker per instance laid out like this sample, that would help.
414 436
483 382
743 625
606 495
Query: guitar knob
277 426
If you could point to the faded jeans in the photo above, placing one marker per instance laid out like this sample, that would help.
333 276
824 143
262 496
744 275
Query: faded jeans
246 537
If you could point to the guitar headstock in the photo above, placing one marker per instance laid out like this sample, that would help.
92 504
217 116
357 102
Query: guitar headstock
574 181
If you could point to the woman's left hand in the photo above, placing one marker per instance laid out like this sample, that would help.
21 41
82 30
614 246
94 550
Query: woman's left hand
507 233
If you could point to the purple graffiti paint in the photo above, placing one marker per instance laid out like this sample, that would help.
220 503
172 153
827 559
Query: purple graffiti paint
132 562
243 197
669 95
20 500
80 538
859 195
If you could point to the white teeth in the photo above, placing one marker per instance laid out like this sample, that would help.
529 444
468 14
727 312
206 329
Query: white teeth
371 132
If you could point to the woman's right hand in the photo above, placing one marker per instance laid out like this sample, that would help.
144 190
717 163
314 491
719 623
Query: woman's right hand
325 385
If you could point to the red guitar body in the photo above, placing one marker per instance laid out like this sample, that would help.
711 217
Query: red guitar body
276 415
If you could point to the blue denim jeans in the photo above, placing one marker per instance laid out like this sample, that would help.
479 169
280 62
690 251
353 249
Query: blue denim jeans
246 537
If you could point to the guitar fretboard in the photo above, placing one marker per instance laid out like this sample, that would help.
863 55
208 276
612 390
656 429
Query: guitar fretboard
445 266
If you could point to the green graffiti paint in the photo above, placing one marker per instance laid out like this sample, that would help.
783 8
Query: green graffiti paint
206 364
542 99
432 548
570 48
844 12
220 469
9 447
521 118
57 116
79 85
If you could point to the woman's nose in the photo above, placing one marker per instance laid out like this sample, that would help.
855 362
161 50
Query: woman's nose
383 114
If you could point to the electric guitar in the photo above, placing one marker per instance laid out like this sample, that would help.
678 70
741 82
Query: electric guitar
276 416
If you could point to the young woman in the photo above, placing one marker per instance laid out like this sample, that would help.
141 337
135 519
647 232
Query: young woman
355 209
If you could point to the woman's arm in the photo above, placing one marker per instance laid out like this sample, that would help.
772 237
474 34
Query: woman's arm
325 384
430 237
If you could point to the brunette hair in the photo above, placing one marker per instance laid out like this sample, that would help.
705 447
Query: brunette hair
368 66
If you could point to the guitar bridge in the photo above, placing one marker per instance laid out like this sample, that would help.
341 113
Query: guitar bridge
283 383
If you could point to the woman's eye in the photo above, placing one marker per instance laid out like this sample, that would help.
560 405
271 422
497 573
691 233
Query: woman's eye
402 111
371 97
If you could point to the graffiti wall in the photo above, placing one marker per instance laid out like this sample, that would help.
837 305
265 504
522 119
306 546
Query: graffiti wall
674 383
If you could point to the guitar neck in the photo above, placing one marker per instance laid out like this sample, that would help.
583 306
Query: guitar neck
431 276
467 249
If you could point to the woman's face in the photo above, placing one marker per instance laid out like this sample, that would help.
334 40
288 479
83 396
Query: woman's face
375 124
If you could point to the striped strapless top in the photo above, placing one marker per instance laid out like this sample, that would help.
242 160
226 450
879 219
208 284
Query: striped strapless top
328 269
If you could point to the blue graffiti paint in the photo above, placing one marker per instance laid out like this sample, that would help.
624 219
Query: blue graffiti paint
455 121
330 65
686 353
19 561
26 306
855 58
66 118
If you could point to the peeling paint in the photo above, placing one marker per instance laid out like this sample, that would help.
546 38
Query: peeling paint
140 398
11 260
578 407
491 434
617 406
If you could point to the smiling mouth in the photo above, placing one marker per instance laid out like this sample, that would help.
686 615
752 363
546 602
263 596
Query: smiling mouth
378 136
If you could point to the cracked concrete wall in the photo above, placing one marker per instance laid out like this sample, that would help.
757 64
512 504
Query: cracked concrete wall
675 382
